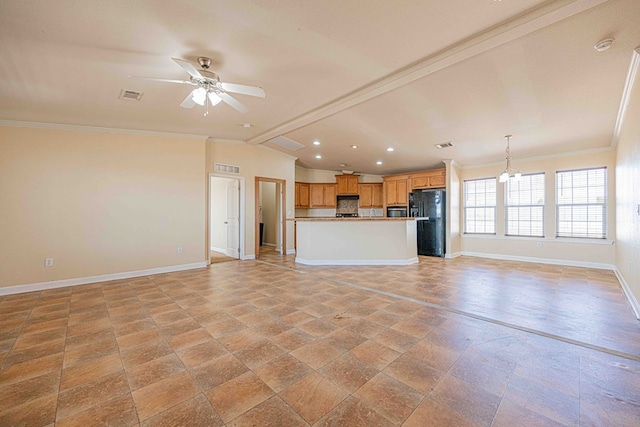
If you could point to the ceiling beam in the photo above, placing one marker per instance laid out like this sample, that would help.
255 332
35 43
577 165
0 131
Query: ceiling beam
534 20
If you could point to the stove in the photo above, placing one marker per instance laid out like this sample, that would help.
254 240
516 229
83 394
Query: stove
347 215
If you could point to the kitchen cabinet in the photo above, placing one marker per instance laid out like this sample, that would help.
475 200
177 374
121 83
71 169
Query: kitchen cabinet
396 192
428 179
370 195
347 184
302 195
322 195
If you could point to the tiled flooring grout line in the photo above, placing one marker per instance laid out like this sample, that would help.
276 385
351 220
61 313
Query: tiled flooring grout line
578 343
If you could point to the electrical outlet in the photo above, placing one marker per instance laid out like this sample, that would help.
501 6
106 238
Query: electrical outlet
48 262
538 244
180 249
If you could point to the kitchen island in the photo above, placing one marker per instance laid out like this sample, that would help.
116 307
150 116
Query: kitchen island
356 241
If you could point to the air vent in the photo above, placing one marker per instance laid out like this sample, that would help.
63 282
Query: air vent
131 95
443 145
219 167
286 143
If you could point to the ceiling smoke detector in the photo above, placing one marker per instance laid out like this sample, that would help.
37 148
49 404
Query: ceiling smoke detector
603 45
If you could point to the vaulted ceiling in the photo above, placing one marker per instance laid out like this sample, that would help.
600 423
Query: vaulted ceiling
404 74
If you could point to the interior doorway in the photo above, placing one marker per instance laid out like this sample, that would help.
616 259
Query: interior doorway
226 220
270 202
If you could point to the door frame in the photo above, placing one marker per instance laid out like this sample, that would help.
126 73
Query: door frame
241 225
282 201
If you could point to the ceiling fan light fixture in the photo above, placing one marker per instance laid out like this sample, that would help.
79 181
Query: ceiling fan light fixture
214 99
199 96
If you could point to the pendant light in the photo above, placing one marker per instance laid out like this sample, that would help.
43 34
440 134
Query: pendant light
509 172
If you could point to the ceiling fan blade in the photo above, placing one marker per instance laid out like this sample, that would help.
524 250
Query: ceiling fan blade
188 101
163 80
243 89
228 99
189 68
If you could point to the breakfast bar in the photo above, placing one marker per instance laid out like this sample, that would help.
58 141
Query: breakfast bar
356 241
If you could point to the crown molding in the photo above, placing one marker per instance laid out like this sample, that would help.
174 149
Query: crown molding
626 95
59 126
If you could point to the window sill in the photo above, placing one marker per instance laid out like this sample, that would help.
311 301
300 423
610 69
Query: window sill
540 239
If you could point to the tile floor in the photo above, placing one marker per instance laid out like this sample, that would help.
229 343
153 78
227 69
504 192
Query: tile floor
463 342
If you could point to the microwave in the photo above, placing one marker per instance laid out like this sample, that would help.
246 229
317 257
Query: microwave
397 212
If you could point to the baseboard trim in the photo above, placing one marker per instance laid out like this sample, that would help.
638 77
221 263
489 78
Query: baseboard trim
453 255
291 251
248 257
219 250
635 305
569 263
357 261
43 286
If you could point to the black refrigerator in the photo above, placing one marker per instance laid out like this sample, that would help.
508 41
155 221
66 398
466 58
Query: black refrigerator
428 207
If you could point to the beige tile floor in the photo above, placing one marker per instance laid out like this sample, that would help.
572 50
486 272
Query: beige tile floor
463 342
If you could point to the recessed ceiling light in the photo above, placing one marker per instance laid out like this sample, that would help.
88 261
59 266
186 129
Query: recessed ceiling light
603 45
246 125
354 146
343 165
378 162
390 149
316 142
318 156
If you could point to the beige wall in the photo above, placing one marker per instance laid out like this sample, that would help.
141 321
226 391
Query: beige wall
572 251
97 203
628 199
318 175
255 160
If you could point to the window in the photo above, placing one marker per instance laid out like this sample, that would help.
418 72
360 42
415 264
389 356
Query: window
525 206
581 203
480 206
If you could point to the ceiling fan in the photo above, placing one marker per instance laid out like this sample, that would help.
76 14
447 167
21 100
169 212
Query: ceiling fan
209 86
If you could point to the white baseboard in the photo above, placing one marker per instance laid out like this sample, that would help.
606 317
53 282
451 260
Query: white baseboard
251 256
570 263
219 250
291 251
33 287
453 255
356 261
635 305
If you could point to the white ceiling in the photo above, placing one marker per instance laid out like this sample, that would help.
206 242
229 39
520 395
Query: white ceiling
376 73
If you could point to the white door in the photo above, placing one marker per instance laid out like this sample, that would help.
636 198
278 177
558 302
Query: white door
233 218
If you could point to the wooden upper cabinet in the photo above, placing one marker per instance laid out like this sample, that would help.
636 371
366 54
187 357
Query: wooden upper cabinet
428 179
370 195
302 195
323 195
396 192
347 184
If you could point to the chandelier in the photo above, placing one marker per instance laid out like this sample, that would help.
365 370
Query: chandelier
509 172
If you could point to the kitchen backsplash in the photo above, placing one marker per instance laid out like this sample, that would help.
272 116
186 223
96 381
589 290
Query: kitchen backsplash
347 206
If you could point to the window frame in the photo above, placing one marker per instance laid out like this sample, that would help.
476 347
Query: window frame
603 206
524 206
485 206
